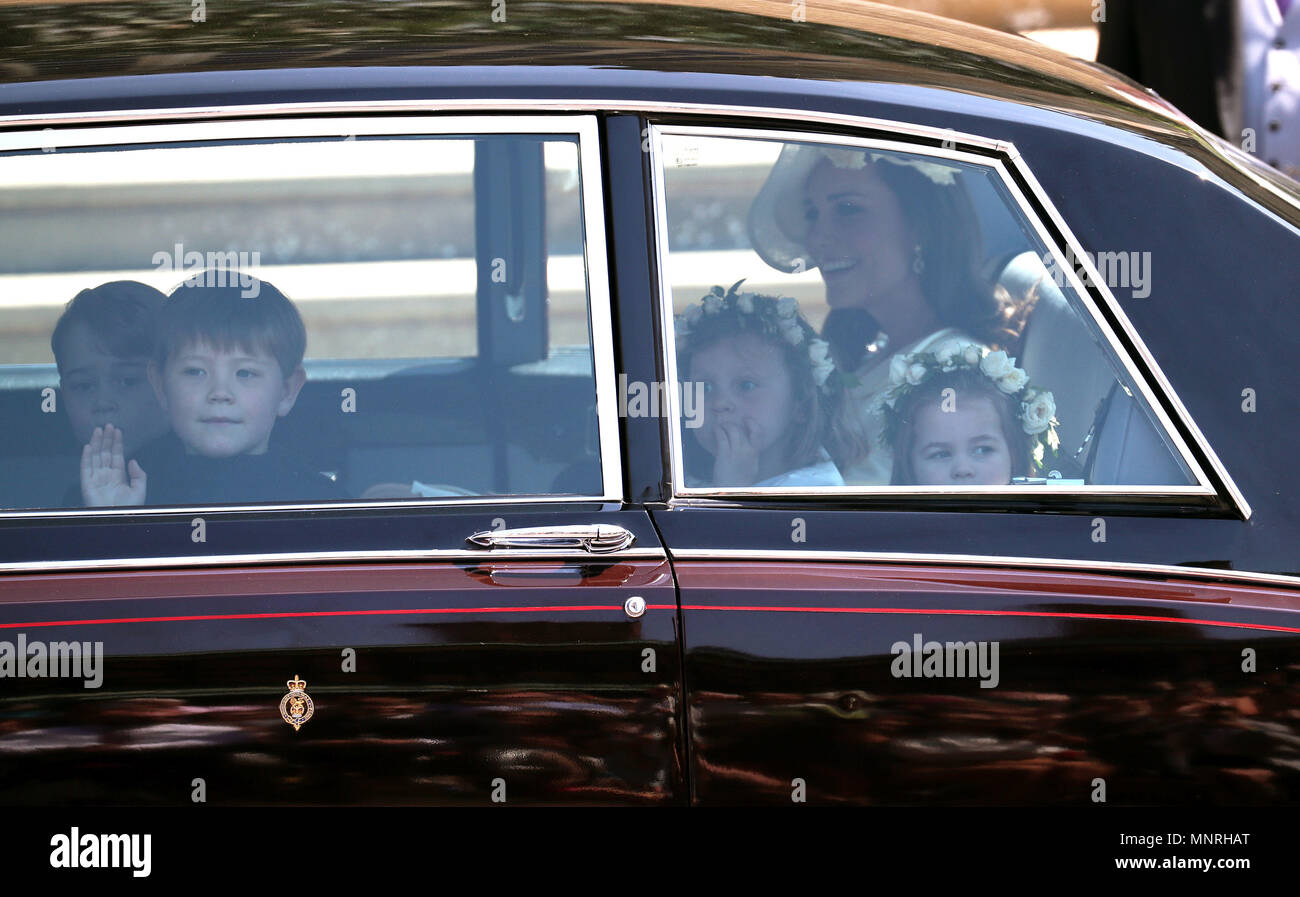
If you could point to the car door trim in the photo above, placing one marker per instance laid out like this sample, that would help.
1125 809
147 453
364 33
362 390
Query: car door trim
983 560
440 555
617 608
595 257
613 607
997 612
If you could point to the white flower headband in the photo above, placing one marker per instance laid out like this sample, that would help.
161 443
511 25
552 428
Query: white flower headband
776 315
1037 406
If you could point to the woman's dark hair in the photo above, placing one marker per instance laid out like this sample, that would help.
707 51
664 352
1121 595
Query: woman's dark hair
947 228
121 315
968 384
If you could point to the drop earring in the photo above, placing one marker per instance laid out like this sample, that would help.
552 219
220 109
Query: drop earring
918 263
879 344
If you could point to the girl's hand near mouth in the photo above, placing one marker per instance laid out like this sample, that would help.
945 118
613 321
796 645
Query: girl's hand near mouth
736 462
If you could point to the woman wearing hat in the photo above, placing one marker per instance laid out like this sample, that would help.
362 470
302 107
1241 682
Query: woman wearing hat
897 243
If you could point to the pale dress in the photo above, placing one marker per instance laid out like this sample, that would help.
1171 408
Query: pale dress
823 473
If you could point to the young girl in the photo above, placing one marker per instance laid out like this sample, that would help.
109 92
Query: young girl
961 415
766 392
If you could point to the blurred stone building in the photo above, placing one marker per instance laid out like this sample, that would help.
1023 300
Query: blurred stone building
1066 25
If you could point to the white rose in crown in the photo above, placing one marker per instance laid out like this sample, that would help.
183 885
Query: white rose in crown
897 370
712 304
973 355
996 365
746 303
793 334
1013 382
1039 409
915 374
946 351
787 307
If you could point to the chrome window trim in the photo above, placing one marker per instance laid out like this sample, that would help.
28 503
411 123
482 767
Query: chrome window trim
872 492
1203 489
583 105
517 106
982 560
656 106
444 555
741 554
596 258
358 505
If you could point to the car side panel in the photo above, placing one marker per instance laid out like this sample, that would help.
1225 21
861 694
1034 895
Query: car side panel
432 683
1106 688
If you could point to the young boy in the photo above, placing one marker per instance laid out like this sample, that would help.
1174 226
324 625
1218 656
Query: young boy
103 344
228 366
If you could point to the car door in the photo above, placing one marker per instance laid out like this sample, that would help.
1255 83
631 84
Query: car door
476 618
1076 637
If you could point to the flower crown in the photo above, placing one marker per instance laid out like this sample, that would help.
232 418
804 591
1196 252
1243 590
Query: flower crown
909 372
773 316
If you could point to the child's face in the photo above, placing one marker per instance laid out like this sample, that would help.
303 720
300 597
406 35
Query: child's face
962 447
224 403
99 388
747 391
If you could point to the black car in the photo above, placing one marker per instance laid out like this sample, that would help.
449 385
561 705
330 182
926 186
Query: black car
696 407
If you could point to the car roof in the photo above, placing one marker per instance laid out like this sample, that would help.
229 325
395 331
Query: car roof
62 63
841 41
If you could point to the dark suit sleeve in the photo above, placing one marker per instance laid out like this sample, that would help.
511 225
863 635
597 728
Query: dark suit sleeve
1185 50
1117 43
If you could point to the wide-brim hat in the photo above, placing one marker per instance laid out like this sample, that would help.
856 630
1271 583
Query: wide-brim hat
777 225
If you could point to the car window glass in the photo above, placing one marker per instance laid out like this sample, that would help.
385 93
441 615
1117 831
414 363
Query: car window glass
326 319
854 317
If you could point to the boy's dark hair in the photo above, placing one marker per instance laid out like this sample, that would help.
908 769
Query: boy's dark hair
252 316
969 384
122 315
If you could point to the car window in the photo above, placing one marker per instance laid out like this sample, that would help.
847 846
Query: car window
325 317
851 316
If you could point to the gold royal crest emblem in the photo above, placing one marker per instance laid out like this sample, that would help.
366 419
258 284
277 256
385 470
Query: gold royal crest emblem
296 707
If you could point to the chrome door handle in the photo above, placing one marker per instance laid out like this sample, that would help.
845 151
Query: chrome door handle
596 538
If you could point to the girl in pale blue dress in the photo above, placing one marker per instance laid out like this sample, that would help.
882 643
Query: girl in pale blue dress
765 394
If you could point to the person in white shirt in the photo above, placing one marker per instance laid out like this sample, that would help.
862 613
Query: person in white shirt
1232 66
1270 58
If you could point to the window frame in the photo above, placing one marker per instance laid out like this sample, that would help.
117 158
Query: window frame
1001 158
98 129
